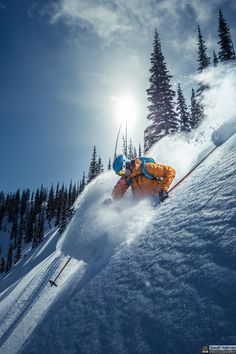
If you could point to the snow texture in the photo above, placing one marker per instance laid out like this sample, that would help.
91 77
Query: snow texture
220 135
96 229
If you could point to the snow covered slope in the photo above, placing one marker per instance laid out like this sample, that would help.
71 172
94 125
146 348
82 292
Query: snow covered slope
166 284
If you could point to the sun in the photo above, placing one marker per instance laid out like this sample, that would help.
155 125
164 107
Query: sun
125 108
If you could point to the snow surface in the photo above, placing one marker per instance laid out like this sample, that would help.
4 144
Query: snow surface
141 280
220 135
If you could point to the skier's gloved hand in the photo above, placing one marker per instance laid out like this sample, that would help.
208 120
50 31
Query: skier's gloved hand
163 195
108 201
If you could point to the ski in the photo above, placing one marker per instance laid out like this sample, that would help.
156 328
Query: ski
194 168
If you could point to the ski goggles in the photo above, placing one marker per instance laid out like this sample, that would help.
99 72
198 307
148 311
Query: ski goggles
122 170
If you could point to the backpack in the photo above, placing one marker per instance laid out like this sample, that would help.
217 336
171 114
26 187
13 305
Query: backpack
145 173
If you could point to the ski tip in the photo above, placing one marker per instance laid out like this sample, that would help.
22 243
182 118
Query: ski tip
52 283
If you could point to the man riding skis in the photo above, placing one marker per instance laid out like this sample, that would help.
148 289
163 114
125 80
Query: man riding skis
146 178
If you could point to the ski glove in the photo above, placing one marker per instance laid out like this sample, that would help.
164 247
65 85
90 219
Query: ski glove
163 195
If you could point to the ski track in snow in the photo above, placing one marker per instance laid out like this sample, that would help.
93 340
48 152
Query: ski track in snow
21 312
27 298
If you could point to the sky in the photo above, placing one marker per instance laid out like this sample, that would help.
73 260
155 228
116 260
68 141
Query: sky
72 70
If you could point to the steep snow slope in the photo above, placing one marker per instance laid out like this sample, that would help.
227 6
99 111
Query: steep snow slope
170 289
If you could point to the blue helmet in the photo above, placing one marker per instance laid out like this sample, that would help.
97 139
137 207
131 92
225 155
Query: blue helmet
119 164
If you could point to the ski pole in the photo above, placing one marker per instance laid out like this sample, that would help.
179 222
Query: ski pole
53 282
117 139
181 180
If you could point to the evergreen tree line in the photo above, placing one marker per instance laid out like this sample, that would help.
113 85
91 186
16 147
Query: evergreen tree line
166 115
130 150
95 168
25 216
96 165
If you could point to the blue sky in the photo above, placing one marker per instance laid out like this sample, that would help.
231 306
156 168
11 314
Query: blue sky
65 63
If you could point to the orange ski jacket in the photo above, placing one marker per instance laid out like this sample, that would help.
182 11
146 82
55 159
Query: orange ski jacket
143 186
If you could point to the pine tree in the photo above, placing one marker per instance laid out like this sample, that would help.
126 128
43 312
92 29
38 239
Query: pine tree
74 193
83 183
39 230
9 207
182 111
9 258
226 48
203 59
160 95
2 208
43 196
125 147
17 203
2 198
204 62
41 227
99 167
19 244
64 214
215 59
24 201
37 203
56 199
135 155
67 209
30 220
2 265
70 193
130 150
195 111
14 231
93 166
109 164
139 150
1 216
59 205
51 204
78 189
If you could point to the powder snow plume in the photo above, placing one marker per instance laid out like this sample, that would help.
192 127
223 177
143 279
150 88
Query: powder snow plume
97 229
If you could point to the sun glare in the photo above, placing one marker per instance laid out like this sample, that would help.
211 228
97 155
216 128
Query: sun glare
125 108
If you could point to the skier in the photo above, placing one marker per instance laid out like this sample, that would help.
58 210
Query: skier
146 178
